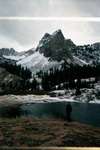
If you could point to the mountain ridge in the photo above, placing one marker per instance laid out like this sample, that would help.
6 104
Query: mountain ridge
54 49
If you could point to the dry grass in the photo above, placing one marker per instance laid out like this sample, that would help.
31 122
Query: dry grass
38 132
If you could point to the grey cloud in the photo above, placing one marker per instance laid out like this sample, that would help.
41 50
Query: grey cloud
49 8
24 34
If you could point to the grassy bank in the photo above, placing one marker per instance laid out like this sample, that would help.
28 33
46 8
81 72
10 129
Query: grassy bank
48 132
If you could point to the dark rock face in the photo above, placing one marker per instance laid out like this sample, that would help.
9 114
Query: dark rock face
7 51
29 52
96 46
88 53
55 46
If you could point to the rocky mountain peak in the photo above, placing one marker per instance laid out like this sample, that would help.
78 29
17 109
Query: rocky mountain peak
55 46
58 34
46 35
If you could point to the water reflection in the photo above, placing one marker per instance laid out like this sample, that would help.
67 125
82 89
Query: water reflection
82 112
10 111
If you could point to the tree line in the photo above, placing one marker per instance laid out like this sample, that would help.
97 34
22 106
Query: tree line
18 70
69 76
22 82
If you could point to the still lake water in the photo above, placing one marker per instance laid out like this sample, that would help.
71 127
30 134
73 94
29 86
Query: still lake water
81 112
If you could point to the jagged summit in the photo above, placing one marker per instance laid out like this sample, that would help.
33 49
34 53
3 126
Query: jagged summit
52 50
58 34
55 46
56 37
46 35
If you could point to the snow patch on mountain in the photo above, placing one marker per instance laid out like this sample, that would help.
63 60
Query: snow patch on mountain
17 57
37 62
52 50
79 61
20 55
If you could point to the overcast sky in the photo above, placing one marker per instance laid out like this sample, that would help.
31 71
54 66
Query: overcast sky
23 35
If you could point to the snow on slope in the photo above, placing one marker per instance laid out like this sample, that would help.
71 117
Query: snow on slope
79 61
20 55
34 61
17 57
52 51
38 62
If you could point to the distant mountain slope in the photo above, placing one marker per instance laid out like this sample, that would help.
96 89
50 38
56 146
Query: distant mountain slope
37 62
7 52
51 51
88 53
